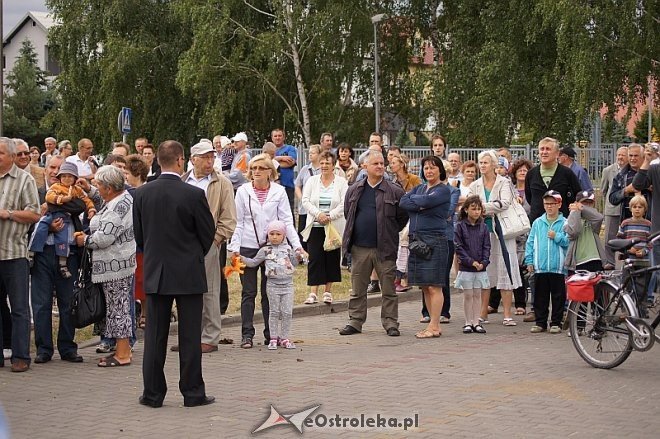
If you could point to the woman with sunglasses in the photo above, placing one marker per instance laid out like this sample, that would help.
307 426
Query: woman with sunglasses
259 202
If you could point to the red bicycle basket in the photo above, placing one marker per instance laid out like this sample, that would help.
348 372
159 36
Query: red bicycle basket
579 289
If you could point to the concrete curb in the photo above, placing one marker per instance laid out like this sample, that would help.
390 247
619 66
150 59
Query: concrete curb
228 321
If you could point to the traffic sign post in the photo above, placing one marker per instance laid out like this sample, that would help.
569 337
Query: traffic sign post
124 122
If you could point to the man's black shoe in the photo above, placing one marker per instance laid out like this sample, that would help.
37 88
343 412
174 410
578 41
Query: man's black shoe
348 330
41 358
393 332
145 401
204 401
72 357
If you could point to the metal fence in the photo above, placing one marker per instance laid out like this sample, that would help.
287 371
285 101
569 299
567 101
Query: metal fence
594 160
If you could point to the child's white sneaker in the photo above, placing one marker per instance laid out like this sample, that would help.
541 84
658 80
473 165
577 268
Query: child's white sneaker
272 345
286 344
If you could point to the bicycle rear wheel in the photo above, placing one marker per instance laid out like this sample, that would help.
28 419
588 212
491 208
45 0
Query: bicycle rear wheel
598 329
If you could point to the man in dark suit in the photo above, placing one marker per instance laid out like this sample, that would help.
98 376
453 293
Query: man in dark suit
174 226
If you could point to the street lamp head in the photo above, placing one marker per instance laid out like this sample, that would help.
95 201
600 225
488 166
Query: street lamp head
378 18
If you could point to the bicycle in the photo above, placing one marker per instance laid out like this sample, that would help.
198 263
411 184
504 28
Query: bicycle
607 330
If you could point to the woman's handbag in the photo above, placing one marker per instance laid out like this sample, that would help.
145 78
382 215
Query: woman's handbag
332 238
88 304
420 249
514 221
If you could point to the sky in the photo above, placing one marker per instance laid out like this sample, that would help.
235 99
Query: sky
14 10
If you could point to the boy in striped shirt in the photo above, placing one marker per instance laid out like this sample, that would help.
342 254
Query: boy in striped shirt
637 226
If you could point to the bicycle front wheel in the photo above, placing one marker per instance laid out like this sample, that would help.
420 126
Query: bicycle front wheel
598 329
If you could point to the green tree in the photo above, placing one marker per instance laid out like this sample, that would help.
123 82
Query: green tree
293 64
120 53
642 126
27 99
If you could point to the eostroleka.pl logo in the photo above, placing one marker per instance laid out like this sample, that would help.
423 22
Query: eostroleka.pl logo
294 419
299 420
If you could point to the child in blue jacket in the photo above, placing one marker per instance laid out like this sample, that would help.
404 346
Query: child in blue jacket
545 253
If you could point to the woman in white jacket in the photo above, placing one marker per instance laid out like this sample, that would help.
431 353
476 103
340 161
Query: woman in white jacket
323 199
497 192
258 203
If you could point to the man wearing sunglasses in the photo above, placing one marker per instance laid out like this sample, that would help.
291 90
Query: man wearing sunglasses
22 160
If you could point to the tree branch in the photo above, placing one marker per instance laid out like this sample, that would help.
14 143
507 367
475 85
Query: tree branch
267 14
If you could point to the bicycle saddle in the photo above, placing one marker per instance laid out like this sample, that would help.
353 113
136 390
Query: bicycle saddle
620 245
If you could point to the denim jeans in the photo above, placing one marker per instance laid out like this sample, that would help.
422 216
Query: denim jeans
14 280
46 277
40 234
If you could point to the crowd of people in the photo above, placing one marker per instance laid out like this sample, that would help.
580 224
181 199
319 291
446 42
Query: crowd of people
138 213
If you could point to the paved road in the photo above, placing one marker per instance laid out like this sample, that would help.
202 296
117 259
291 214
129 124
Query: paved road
507 383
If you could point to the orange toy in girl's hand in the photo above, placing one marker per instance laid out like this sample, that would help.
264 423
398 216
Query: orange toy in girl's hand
235 267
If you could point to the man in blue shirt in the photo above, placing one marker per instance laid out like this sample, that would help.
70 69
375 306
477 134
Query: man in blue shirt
286 156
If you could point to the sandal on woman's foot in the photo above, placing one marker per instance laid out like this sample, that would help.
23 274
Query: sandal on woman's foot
246 343
327 297
311 299
467 329
520 311
479 329
111 362
425 333
509 322
64 272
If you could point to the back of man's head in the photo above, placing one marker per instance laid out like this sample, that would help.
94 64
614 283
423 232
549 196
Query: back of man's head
169 152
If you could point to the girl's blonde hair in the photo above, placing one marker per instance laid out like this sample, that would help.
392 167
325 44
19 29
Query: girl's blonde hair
639 199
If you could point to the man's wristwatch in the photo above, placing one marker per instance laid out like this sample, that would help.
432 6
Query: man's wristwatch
10 214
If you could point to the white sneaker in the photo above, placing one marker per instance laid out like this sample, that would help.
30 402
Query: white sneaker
286 344
7 354
272 346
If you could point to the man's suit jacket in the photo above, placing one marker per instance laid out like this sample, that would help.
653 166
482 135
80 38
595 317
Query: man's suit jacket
174 226
606 182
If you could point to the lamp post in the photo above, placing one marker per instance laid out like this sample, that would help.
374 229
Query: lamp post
375 20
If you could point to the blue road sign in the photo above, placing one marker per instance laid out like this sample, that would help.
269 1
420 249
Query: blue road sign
124 120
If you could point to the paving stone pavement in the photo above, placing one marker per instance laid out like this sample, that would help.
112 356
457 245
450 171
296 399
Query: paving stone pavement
507 383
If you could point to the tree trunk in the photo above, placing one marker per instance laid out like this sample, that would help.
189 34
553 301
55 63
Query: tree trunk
300 84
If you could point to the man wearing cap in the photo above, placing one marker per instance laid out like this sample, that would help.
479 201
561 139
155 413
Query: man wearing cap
549 175
545 253
19 207
567 158
46 278
23 162
612 213
286 156
622 186
239 164
220 196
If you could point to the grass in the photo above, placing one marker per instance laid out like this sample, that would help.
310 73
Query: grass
340 290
